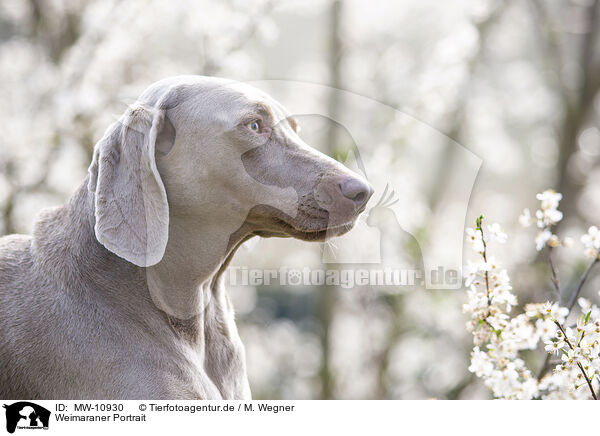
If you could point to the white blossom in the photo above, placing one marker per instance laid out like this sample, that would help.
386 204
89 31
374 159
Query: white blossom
542 238
525 218
480 363
476 239
547 216
591 241
549 213
554 346
499 337
496 233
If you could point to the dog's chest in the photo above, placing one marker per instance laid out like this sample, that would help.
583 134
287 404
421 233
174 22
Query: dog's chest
213 357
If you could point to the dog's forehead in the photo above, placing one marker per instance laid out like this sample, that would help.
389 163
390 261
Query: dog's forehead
212 100
247 98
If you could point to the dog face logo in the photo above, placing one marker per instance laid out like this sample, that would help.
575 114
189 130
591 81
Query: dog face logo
26 415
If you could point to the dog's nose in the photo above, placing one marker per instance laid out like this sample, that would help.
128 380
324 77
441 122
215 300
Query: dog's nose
356 190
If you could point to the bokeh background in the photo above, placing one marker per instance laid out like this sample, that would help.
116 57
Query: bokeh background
514 83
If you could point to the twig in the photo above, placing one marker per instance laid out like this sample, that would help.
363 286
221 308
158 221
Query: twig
479 227
582 280
554 271
587 379
546 366
556 283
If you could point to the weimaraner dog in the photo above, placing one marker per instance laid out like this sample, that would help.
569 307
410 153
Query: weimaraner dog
119 293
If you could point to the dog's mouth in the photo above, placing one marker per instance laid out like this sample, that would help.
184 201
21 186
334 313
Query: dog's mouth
307 234
313 225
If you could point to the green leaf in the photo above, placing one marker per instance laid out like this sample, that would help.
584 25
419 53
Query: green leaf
478 222
587 317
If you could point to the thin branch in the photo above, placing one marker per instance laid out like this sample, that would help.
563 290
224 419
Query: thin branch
587 379
580 284
554 271
547 363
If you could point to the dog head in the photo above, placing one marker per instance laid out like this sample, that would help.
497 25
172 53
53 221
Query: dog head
217 150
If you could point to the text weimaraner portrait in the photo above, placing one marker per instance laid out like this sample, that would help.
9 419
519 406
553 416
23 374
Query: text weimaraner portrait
119 293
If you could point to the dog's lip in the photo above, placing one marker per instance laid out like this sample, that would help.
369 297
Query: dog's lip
305 226
347 225
362 209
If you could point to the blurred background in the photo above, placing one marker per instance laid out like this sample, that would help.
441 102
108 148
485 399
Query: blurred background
514 83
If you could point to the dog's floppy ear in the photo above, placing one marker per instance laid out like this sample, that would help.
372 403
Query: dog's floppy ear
132 213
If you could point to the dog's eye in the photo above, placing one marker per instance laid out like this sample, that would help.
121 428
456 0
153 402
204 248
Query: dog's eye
255 126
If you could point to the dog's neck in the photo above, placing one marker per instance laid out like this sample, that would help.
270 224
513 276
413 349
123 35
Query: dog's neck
190 274
181 286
